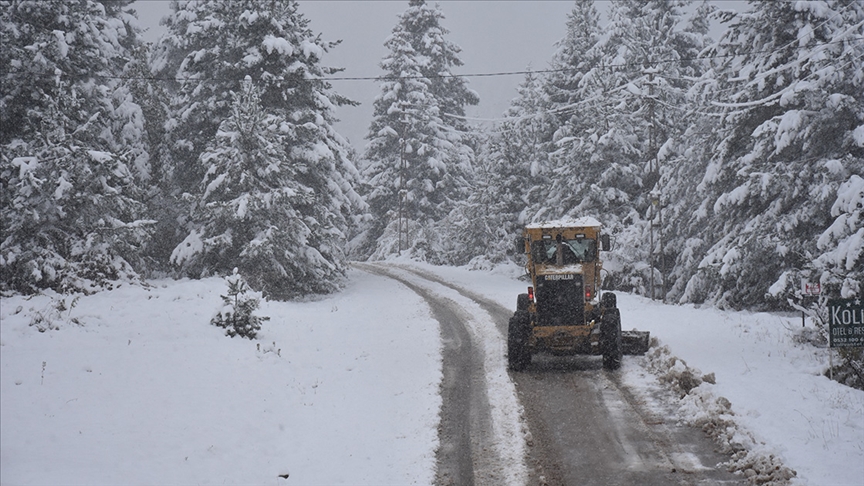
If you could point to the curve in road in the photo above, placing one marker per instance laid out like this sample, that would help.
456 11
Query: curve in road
587 428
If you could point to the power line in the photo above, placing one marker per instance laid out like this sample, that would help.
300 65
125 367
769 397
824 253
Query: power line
620 67
573 106
623 67
469 75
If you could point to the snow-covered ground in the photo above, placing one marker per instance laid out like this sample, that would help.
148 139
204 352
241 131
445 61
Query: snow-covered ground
136 387
343 390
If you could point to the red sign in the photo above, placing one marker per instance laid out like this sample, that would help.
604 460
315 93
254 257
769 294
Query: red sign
810 288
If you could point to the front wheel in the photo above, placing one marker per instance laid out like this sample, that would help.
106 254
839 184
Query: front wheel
610 339
522 302
518 331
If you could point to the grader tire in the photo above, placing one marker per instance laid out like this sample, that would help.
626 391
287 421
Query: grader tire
610 339
609 300
518 330
522 302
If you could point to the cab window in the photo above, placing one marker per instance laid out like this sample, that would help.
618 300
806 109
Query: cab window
579 250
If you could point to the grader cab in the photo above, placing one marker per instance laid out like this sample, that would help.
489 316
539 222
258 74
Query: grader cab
565 311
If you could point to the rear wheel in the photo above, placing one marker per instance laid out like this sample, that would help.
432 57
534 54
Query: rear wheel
609 300
610 339
518 354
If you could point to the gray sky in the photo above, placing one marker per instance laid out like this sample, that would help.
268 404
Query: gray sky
495 36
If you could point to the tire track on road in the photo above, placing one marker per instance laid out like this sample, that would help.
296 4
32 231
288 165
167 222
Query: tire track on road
464 450
538 453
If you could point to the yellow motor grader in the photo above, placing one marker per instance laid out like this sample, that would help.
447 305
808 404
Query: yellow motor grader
564 311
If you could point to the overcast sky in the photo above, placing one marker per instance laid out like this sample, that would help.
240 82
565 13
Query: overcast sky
495 36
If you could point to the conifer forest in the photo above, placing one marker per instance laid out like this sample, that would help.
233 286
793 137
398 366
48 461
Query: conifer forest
727 168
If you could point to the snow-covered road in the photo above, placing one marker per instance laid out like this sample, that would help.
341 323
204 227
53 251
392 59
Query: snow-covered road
583 425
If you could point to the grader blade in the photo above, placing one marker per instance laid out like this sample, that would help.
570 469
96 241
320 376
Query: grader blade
635 342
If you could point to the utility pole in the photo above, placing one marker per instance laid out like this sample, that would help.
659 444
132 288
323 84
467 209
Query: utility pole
403 119
401 187
655 193
662 254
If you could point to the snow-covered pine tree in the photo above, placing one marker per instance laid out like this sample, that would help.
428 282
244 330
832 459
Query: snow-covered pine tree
790 85
574 57
576 98
186 58
152 95
414 146
681 134
208 50
684 159
480 230
439 57
840 266
511 178
192 104
405 154
477 232
308 180
617 92
237 314
249 214
520 150
73 157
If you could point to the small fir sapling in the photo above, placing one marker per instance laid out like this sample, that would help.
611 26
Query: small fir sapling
237 313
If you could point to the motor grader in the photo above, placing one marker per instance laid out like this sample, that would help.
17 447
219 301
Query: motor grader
564 311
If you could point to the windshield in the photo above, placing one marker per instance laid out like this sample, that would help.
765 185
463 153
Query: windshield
580 250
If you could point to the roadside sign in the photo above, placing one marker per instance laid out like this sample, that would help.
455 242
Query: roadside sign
846 323
810 288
